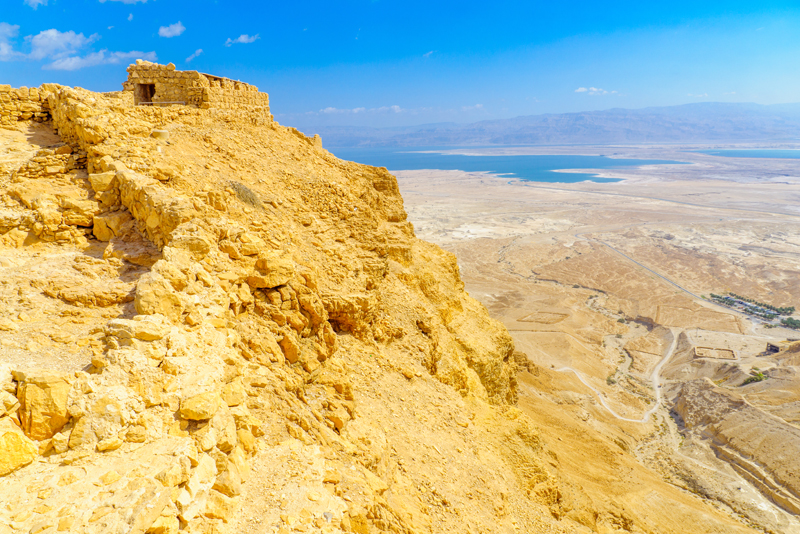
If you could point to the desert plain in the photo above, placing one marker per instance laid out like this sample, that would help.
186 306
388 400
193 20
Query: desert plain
604 288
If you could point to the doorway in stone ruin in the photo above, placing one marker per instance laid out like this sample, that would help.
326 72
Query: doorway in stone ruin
144 92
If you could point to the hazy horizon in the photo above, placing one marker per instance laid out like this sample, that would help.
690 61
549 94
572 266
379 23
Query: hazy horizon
333 123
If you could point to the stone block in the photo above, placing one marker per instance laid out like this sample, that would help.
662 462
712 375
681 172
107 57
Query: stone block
201 407
103 181
43 402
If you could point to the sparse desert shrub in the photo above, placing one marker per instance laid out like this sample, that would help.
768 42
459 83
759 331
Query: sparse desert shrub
622 320
246 195
758 377
610 380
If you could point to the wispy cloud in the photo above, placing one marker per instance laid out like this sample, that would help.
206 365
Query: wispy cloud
36 3
594 91
243 39
124 1
196 53
130 17
476 107
62 49
8 32
730 93
173 30
55 44
427 54
704 95
355 111
103 57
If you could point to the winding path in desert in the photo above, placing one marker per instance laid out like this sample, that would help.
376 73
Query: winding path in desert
655 379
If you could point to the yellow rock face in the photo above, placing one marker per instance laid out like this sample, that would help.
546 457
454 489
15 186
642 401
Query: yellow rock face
154 294
273 269
43 400
16 450
201 407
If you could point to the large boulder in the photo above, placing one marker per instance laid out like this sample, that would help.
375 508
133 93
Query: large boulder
43 402
201 407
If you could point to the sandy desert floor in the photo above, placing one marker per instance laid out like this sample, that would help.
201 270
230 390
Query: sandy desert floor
602 287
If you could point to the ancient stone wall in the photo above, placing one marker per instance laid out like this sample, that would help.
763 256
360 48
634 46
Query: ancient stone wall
161 84
24 103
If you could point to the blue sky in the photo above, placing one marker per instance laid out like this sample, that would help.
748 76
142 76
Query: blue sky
393 63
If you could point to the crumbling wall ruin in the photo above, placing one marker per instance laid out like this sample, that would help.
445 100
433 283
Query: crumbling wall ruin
154 84
24 103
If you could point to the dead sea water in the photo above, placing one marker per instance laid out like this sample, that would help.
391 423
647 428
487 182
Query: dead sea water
534 168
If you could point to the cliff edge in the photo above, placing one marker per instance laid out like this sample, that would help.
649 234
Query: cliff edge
212 324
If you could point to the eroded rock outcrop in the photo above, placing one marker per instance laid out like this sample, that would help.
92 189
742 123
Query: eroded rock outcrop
760 446
264 300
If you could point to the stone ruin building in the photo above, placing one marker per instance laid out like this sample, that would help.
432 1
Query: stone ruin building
154 84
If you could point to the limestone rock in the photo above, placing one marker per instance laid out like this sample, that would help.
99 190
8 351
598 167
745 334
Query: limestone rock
8 403
103 181
234 394
107 226
154 294
273 269
97 294
196 245
202 406
16 450
143 327
219 506
43 397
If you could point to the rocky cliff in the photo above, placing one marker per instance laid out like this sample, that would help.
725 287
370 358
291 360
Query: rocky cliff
211 324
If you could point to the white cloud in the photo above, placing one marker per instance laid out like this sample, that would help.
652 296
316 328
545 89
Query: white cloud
8 32
124 1
130 17
61 49
196 53
173 30
594 91
36 3
103 57
243 39
704 95
427 54
731 93
476 107
55 44
354 111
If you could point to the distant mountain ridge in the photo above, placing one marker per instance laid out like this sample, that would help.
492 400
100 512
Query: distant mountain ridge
688 123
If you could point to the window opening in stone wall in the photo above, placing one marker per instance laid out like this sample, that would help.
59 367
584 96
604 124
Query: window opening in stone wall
144 92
